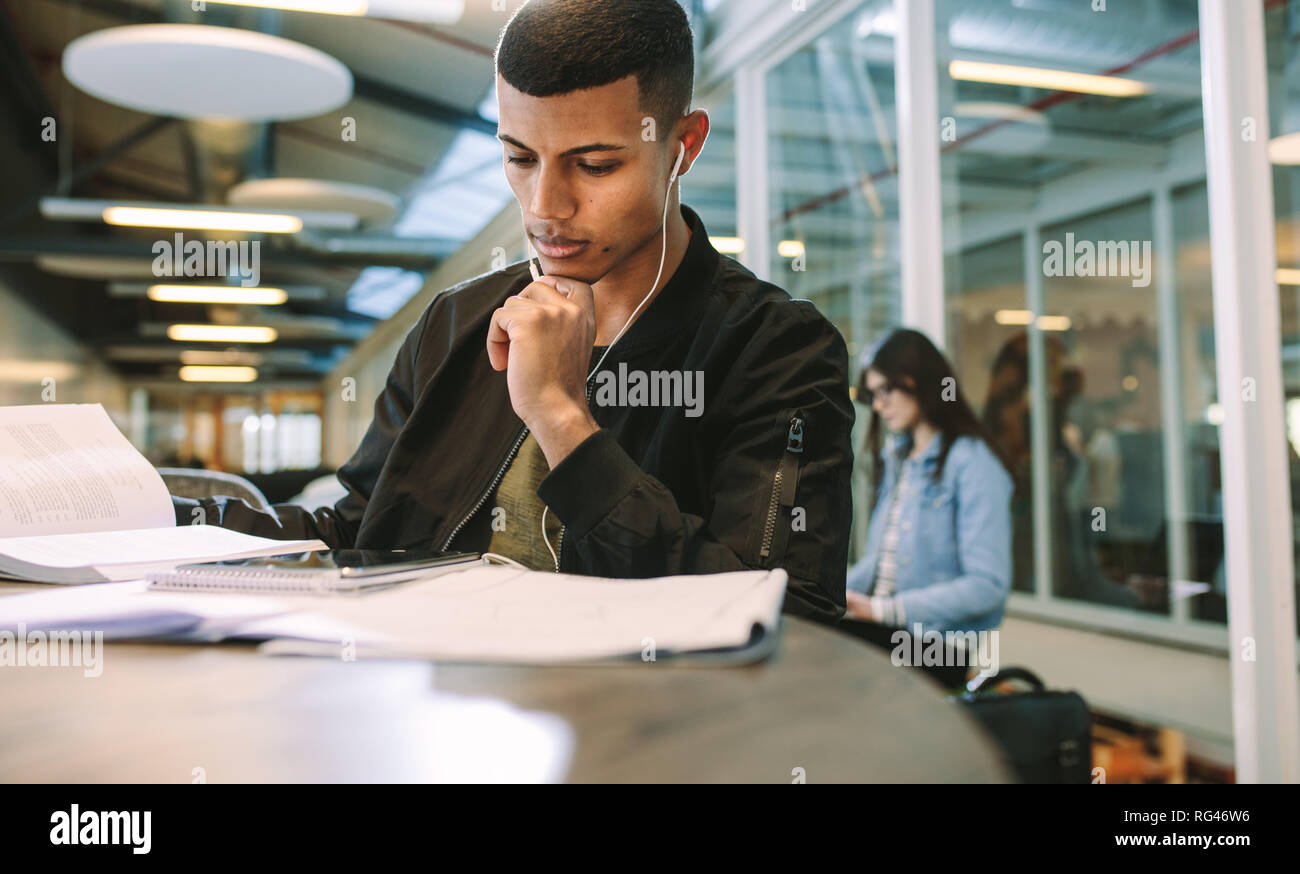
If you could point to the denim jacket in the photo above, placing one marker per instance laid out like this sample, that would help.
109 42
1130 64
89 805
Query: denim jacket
954 539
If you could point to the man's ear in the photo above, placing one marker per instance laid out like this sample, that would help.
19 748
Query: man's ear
692 130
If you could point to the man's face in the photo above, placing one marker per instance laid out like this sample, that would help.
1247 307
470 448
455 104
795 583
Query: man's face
591 190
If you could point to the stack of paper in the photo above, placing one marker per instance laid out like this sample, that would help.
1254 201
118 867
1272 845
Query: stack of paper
481 614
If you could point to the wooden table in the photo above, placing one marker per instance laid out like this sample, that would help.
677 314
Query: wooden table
825 703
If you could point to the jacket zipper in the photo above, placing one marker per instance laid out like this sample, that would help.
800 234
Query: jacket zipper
496 479
793 447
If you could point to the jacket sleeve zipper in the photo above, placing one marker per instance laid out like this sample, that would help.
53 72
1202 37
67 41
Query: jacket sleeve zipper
787 472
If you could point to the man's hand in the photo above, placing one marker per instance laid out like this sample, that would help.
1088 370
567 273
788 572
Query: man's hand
542 338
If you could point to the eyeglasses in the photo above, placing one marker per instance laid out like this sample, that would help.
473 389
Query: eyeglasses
868 396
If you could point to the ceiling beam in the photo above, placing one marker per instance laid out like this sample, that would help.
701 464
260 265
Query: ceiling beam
427 108
16 61
84 171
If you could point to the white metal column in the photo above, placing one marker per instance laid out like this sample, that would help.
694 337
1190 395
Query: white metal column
1173 432
919 203
1042 415
1256 490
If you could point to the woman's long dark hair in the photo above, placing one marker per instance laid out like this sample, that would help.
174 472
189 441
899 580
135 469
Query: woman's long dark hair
909 362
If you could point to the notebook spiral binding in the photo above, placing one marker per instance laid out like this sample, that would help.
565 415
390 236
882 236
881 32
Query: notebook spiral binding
246 580
263 579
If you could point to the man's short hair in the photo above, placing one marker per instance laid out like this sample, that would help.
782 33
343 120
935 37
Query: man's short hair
554 47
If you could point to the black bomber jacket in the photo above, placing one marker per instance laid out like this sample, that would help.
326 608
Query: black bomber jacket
758 479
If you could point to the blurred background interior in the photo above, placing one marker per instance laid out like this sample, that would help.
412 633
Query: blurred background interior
381 139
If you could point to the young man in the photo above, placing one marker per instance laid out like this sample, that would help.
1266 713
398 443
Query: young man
713 432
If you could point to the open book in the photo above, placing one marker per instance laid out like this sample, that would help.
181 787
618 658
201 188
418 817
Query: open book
79 504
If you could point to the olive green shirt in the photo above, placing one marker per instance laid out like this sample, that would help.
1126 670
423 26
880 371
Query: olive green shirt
517 510
517 514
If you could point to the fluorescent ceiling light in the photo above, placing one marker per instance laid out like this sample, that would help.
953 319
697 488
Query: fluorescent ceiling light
199 373
1000 111
326 7
206 292
223 357
1003 128
204 220
182 216
735 245
1013 317
217 294
96 267
1051 80
430 11
222 333
1287 276
1054 323
1025 317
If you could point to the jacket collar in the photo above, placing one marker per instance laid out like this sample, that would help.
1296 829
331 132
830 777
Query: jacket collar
676 304
903 445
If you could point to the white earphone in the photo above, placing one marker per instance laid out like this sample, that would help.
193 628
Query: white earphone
663 253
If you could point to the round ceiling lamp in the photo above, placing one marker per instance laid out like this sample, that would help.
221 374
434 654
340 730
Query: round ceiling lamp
373 206
199 71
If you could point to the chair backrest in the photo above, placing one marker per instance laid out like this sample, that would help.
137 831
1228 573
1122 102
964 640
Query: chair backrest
184 482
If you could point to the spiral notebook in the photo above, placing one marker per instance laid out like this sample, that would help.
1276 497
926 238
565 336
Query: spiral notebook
322 570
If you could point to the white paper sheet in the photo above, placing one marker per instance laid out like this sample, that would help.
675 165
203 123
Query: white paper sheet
503 614
66 468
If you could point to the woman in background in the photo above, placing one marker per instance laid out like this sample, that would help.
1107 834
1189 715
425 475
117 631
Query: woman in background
939 544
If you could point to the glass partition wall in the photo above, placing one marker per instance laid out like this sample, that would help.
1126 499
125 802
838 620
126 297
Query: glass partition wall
1077 325
1076 294
1094 242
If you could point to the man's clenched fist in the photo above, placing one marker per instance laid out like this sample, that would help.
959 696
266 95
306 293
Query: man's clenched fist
542 337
